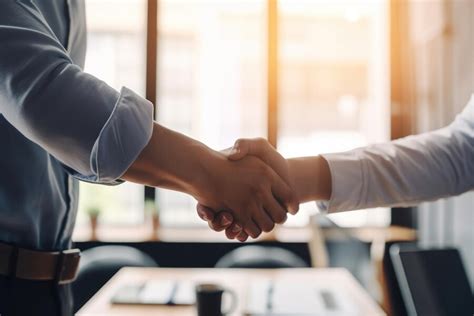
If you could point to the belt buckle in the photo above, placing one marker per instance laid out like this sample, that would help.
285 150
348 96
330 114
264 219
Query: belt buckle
67 266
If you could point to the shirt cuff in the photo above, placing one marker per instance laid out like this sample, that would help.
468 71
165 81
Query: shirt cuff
347 182
126 132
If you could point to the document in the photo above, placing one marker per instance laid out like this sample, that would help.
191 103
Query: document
288 298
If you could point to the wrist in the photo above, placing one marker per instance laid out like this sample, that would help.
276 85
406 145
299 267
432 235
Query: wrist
324 180
311 178
302 175
172 161
201 181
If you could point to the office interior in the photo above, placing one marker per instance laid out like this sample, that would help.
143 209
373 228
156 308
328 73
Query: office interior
311 77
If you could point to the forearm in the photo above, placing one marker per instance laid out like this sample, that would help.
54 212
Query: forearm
311 178
172 161
405 172
246 187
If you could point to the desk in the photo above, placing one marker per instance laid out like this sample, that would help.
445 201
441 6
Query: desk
236 279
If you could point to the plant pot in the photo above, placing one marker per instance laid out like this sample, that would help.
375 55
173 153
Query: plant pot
155 226
94 223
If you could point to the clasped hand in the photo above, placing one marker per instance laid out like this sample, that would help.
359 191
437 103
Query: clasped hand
265 178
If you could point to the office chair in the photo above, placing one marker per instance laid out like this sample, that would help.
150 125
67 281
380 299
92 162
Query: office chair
260 257
99 264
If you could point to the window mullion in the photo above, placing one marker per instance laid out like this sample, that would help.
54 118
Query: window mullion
272 71
151 65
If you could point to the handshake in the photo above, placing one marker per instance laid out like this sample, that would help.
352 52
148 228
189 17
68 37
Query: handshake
244 190
261 189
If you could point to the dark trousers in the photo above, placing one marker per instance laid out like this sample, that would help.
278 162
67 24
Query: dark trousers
23 297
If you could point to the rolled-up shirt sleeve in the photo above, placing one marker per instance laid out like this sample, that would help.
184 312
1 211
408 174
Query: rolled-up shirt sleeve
91 128
405 172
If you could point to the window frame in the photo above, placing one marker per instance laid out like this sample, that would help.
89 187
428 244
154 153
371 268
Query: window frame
272 71
152 26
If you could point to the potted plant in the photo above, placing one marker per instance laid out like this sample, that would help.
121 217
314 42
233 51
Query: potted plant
153 216
93 213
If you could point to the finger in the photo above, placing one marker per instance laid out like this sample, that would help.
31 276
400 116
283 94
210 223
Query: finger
233 231
284 194
262 149
242 237
204 212
258 147
264 221
221 221
226 152
239 150
277 212
252 229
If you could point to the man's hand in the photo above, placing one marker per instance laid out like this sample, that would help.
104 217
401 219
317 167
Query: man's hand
260 148
248 188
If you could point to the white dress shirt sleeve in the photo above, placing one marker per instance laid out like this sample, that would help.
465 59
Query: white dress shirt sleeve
407 171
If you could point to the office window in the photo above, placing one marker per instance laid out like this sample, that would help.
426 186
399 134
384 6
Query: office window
212 67
116 54
332 92
333 87
211 84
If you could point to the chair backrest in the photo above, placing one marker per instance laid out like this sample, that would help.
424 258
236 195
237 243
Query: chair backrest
99 264
260 257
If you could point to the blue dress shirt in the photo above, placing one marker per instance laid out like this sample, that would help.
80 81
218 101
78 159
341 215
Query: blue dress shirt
57 123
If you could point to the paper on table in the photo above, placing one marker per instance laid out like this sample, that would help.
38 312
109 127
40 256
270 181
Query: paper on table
185 293
157 292
289 298
163 292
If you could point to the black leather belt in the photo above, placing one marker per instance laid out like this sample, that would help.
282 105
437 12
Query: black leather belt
59 266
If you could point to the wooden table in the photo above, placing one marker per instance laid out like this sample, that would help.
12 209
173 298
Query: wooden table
236 279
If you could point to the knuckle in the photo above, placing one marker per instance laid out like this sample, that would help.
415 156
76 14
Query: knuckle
200 214
263 143
280 217
239 142
211 226
229 234
254 234
268 227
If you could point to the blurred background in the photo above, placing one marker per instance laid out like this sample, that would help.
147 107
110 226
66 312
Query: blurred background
312 76
333 87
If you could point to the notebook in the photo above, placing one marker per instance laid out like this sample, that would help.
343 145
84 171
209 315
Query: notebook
156 293
288 298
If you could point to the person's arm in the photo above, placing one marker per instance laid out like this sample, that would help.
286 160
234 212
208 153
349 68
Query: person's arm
103 136
404 172
407 171
247 188
95 131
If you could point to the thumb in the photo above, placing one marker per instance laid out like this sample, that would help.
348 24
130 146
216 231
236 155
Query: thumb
205 213
239 150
